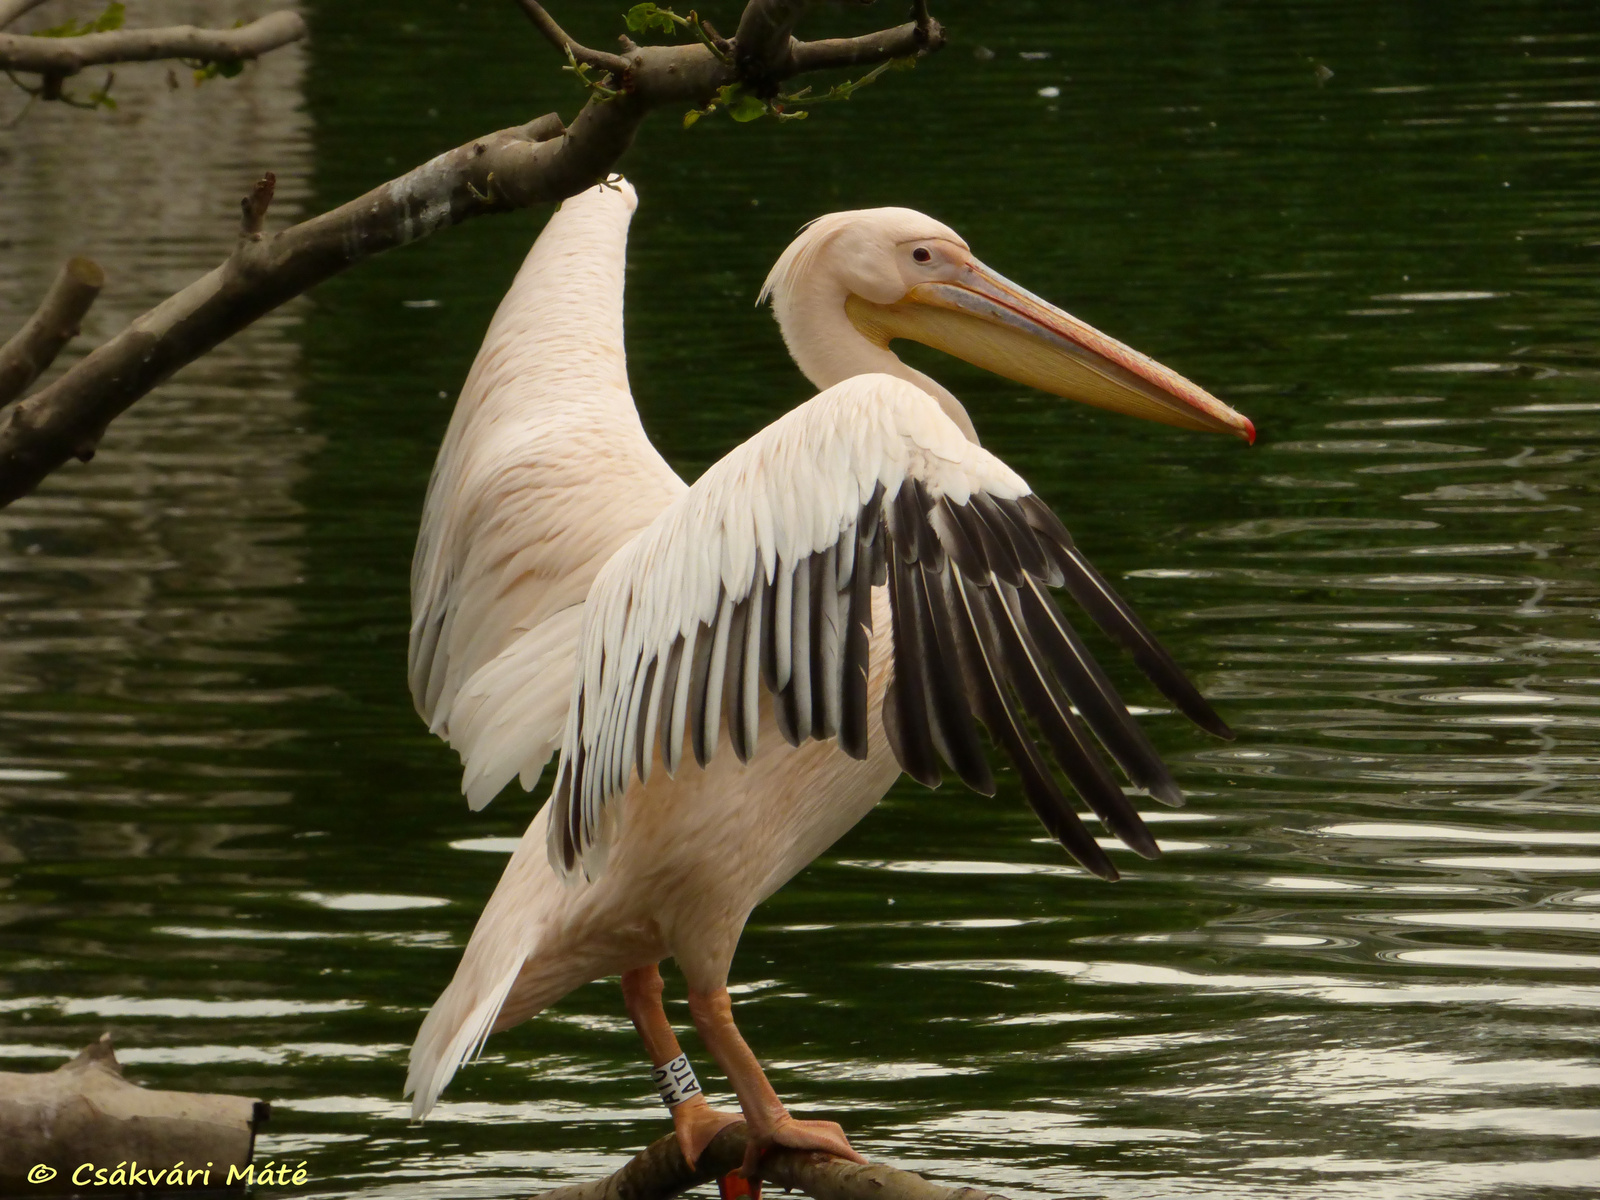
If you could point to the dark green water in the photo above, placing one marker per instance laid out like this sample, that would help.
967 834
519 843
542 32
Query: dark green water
1370 962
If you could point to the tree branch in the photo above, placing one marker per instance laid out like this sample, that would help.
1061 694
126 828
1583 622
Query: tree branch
903 41
659 1171
514 168
557 37
58 57
10 10
764 40
25 357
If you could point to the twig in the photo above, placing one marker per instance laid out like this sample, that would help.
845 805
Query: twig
55 323
659 1171
901 42
920 17
58 57
10 10
720 44
557 37
254 207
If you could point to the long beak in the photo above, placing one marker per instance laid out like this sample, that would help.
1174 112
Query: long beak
994 324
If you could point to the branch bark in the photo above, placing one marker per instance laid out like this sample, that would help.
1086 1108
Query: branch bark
536 163
55 323
59 57
764 42
659 1171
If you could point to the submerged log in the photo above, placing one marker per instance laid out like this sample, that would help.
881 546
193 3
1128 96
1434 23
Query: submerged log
659 1171
52 1123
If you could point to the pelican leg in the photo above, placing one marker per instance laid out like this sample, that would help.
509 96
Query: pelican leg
769 1121
694 1121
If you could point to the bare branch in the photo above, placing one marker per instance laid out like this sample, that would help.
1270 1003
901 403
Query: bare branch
558 38
903 41
659 1171
57 57
25 357
537 163
10 10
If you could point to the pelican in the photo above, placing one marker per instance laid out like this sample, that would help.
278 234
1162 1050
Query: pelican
844 597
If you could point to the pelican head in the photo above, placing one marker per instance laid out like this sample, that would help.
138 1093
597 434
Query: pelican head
854 281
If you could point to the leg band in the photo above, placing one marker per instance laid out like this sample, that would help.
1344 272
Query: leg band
675 1081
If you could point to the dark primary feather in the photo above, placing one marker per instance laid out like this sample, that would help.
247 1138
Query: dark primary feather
952 534
995 708
977 638
1095 697
1070 741
974 623
669 690
642 750
705 698
1115 616
798 695
735 682
998 559
916 742
857 634
1018 538
952 721
769 625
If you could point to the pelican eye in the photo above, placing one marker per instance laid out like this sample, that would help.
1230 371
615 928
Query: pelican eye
922 254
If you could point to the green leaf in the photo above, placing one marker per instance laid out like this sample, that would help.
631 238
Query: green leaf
652 18
747 108
690 117
226 68
111 19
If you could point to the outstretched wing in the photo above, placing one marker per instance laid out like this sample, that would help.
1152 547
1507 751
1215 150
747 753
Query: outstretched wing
544 472
759 580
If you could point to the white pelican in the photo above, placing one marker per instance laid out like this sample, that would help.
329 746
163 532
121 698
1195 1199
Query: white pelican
571 593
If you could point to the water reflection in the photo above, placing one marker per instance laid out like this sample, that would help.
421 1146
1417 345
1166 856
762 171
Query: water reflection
135 595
